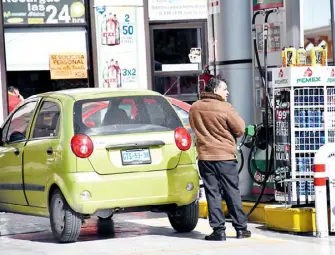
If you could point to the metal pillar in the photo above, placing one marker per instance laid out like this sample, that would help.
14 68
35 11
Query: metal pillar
294 23
232 28
332 15
3 77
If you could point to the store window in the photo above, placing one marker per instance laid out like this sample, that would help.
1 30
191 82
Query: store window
172 49
34 82
174 85
179 53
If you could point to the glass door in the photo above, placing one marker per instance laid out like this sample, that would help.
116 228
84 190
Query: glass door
179 52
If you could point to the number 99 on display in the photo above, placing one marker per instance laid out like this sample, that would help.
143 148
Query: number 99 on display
281 115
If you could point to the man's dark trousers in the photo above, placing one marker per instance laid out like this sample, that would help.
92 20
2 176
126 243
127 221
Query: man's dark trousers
222 175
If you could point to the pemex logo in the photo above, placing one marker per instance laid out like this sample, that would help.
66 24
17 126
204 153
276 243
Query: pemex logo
281 80
331 79
281 74
308 72
307 77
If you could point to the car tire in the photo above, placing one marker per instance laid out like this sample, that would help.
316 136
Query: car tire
185 218
106 218
65 223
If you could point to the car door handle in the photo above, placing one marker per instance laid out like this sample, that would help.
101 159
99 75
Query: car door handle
50 151
16 151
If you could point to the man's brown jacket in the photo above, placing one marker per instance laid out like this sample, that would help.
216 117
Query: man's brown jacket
216 126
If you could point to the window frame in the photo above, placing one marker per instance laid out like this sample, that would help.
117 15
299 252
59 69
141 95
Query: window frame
37 101
77 108
31 133
200 24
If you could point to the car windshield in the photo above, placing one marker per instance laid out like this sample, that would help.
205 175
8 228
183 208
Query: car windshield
124 115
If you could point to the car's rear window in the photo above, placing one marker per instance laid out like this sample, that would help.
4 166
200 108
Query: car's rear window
124 115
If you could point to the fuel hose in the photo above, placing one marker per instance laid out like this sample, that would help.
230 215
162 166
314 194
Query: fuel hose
267 99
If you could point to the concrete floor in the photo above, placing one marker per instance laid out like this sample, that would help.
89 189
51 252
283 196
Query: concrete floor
148 234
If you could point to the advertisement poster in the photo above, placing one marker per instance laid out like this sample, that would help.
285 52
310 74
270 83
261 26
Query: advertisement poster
121 46
43 12
273 38
68 66
282 136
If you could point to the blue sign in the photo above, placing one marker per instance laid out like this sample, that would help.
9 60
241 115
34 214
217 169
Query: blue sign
101 9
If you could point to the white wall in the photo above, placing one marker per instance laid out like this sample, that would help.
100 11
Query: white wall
29 48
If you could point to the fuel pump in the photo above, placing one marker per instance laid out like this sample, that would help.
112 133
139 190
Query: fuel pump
272 29
260 136
264 135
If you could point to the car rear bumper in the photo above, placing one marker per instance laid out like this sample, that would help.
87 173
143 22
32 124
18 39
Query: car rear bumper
131 189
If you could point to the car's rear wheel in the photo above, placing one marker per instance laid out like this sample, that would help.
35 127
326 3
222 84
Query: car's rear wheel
107 217
185 218
65 223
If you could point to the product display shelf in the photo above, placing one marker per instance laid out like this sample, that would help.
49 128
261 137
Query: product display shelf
312 124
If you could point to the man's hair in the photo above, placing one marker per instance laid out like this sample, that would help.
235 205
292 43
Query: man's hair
11 89
214 83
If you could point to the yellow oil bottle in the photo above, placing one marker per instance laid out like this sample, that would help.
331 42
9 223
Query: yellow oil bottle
283 57
324 57
316 56
291 56
301 56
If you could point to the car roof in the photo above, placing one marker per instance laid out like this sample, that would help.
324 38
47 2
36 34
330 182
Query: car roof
87 93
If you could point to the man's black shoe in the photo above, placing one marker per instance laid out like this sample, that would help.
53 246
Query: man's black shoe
243 234
216 236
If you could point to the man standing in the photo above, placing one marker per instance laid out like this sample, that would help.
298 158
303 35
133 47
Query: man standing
216 126
14 98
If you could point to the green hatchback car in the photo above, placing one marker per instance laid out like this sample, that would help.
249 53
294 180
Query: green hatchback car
55 164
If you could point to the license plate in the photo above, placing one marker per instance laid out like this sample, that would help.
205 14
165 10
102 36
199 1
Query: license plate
136 157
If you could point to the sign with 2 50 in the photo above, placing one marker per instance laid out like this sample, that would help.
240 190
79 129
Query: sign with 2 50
21 12
127 28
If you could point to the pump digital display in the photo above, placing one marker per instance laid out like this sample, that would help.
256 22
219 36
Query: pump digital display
282 137
24 12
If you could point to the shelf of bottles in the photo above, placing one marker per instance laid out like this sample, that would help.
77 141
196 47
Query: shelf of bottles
313 125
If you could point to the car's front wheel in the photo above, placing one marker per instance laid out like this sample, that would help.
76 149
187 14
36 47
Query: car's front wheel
185 218
65 223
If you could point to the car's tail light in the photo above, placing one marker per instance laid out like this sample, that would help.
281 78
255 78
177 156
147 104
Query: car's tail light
182 138
82 146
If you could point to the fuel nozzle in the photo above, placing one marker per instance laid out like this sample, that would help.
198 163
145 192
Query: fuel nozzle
249 136
250 130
